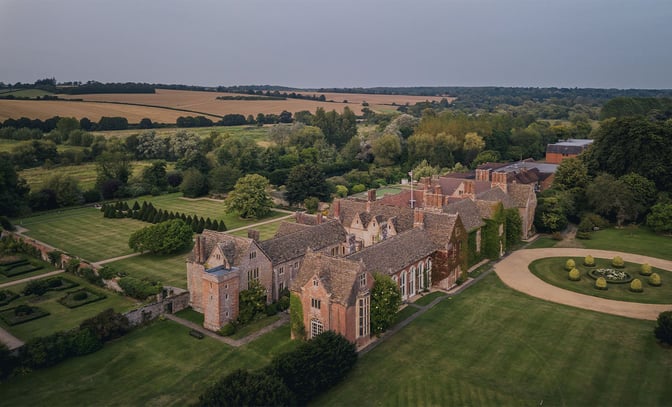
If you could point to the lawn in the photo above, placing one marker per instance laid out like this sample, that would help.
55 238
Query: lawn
254 326
157 365
428 298
83 232
202 207
168 269
62 318
266 231
190 315
494 346
552 271
630 239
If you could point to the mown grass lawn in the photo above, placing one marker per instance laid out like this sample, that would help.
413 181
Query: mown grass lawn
493 346
266 231
202 207
83 232
157 365
552 271
62 318
630 239
169 269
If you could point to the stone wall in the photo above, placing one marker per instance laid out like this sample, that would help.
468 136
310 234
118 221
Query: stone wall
176 300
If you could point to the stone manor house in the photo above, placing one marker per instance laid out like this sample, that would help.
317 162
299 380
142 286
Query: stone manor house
424 239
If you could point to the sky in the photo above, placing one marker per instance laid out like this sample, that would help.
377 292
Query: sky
340 43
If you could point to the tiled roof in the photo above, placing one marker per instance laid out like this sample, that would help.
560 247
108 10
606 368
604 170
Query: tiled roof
397 252
469 213
287 228
486 208
496 195
439 227
233 247
338 275
350 208
284 248
450 185
520 194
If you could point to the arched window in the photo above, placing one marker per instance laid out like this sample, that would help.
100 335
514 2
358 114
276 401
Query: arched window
402 284
411 282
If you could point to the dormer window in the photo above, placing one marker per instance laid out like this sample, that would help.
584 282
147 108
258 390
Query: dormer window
362 280
315 282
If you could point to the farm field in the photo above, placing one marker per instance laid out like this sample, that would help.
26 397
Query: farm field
156 365
257 133
632 239
61 317
44 109
202 207
160 105
168 269
552 271
8 145
491 345
83 232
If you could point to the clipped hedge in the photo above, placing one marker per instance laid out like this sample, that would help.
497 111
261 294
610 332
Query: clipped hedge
645 269
618 262
80 297
636 286
574 274
589 261
601 283
655 280
21 314
570 264
6 297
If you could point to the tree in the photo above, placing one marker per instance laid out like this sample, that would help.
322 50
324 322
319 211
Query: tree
194 183
242 388
612 198
67 125
13 189
164 238
660 218
663 330
304 181
643 192
249 197
387 149
155 174
571 173
223 178
385 303
66 189
113 166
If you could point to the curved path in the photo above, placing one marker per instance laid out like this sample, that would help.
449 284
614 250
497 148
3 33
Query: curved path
513 271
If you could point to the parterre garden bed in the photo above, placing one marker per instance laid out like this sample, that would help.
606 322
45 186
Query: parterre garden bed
81 297
17 267
552 271
19 315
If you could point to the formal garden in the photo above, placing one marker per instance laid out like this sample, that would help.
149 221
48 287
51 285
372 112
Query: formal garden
613 279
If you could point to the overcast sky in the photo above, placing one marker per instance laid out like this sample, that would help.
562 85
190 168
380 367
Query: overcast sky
340 43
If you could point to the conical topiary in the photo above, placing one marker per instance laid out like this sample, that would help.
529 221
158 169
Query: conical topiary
570 264
655 280
601 283
574 274
636 286
589 261
645 270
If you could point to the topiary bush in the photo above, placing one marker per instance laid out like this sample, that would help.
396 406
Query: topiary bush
655 280
574 274
663 330
589 261
617 262
601 283
570 264
645 270
636 286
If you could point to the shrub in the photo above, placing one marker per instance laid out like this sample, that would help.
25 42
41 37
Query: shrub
252 302
617 262
570 264
296 317
80 296
283 302
358 188
583 235
385 303
243 388
107 325
139 289
23 309
6 224
636 286
311 204
271 309
645 270
556 236
589 261
53 283
601 283
228 329
574 274
655 280
36 287
663 329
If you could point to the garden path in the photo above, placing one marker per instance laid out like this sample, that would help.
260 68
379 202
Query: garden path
23 280
10 340
514 272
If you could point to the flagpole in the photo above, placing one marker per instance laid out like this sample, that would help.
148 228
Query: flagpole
412 196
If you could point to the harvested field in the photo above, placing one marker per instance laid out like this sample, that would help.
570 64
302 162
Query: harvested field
44 109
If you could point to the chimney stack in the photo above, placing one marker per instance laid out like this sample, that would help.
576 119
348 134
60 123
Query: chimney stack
318 218
337 209
253 234
418 219
201 249
371 195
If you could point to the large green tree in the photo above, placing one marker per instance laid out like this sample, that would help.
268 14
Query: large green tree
243 388
660 218
250 197
66 189
304 181
13 189
194 183
164 238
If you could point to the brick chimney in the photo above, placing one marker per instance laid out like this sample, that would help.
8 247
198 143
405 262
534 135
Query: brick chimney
499 180
425 182
371 195
201 249
253 234
337 209
469 188
418 219
318 218
197 249
482 174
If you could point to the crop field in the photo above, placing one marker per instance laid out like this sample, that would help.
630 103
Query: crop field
158 105
156 365
258 133
494 346
44 109
85 174
61 317
83 232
